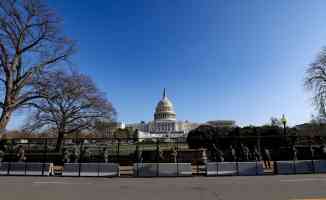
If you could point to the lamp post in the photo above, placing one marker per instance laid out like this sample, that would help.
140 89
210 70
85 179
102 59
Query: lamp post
284 121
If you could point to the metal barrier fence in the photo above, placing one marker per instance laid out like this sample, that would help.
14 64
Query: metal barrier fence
164 157
257 168
163 169
123 151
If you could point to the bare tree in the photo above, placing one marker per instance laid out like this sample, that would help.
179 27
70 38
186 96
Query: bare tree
315 81
274 121
30 42
72 104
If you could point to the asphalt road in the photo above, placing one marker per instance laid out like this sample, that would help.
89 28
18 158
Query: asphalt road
197 188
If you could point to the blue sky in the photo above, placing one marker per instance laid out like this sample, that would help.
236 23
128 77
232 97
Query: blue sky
240 60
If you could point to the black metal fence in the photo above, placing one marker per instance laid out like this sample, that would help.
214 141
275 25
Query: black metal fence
128 152
124 151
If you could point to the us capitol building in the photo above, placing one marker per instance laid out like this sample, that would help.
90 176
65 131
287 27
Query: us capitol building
165 124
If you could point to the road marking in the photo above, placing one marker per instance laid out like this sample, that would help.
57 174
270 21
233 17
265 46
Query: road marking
309 199
62 183
302 180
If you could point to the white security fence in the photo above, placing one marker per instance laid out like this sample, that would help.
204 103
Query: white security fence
91 169
320 166
300 167
257 168
24 168
162 169
234 168
69 169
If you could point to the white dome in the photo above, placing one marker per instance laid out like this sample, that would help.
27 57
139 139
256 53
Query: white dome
164 109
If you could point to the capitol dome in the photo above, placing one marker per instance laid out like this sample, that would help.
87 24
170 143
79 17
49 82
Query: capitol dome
164 109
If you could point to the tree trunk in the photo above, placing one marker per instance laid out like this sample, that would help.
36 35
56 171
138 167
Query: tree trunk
59 141
9 99
4 119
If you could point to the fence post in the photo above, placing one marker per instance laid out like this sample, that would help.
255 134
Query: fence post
256 167
44 155
294 158
177 156
137 159
217 167
157 156
312 160
118 152
80 156
11 157
25 162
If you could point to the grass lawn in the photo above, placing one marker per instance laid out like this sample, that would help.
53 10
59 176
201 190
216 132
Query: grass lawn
130 148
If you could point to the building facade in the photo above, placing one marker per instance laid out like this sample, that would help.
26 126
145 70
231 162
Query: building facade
165 122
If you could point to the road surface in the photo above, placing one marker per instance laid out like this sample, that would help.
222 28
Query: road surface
197 188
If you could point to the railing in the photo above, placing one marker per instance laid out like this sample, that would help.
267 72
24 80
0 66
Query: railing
251 155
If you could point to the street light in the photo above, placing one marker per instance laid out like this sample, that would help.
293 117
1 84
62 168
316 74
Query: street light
284 121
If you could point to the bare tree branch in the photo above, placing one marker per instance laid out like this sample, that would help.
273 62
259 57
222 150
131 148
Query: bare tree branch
30 42
315 81
72 104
